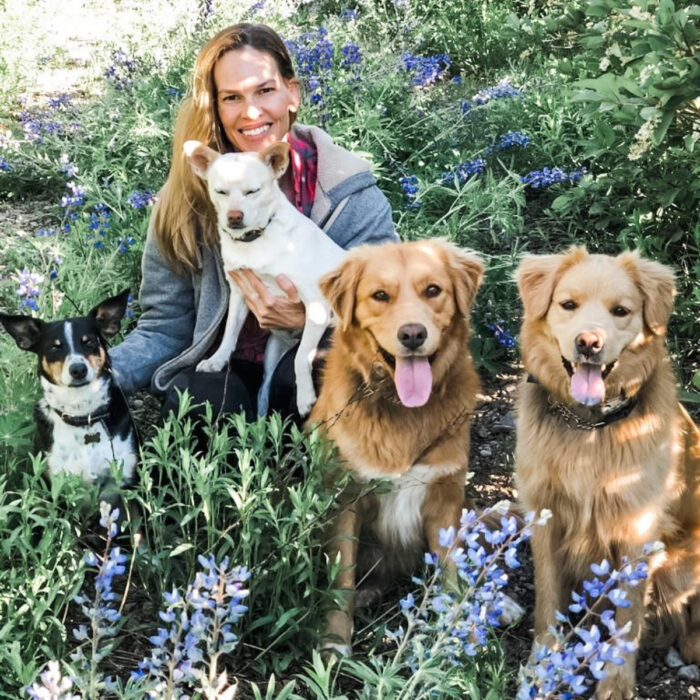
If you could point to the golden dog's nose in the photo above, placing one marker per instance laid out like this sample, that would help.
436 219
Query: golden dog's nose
412 335
589 343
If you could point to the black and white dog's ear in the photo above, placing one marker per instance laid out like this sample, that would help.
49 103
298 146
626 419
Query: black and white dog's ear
24 329
200 156
109 313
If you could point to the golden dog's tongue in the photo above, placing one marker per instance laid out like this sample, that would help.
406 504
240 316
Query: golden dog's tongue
414 380
587 385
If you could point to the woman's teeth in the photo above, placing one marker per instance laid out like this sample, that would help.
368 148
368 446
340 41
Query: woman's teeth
255 132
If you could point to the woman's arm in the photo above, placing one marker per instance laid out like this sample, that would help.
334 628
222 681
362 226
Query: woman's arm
165 326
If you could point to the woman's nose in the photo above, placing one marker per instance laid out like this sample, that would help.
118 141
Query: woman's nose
252 111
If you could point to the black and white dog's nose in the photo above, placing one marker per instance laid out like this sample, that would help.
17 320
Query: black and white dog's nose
412 335
78 370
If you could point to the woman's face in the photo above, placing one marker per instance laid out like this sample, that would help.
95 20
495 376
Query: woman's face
253 99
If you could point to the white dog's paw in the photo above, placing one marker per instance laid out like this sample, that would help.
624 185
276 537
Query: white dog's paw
305 401
511 613
212 364
330 649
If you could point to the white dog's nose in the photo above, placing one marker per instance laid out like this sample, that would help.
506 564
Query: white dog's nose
234 217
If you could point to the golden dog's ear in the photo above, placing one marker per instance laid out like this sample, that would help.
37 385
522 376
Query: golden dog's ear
467 274
537 276
277 157
200 156
340 288
657 284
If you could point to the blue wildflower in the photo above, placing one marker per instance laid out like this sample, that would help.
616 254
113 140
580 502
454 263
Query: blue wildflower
139 199
53 686
462 172
348 15
425 70
28 288
502 334
509 140
4 165
351 54
409 185
538 179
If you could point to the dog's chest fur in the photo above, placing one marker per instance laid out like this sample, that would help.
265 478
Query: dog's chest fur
85 451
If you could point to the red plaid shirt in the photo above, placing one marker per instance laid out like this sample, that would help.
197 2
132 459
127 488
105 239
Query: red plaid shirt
304 169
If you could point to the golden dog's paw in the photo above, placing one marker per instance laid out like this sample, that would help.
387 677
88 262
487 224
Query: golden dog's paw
617 685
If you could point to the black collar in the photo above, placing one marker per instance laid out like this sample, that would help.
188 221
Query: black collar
254 233
99 414
610 412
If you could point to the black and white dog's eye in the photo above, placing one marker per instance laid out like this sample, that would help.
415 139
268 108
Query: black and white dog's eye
251 192
88 342
57 343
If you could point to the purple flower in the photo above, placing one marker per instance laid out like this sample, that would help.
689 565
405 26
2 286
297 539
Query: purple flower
138 199
539 179
425 70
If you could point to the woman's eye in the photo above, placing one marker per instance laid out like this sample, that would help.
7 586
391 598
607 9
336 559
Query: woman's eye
251 191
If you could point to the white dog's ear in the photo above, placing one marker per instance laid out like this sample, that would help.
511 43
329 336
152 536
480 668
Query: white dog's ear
538 275
657 284
277 157
201 157
340 287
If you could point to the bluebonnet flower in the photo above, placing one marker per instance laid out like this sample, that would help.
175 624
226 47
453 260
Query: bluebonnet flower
199 629
348 15
76 197
48 232
503 90
549 176
206 10
123 69
462 172
173 91
125 243
139 199
409 185
4 165
60 101
56 262
130 307
35 127
455 625
502 334
313 54
28 288
351 54
456 79
102 610
425 70
53 685
580 652
70 169
509 140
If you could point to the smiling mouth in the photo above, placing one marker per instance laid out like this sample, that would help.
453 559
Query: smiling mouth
257 131
572 367
391 359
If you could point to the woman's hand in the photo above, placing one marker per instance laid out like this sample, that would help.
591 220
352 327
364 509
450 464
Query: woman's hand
273 311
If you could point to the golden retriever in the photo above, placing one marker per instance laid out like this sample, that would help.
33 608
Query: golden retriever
603 443
398 391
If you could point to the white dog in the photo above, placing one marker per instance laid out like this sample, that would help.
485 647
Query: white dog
260 229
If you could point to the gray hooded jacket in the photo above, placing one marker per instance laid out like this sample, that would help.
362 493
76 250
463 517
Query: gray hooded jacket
181 313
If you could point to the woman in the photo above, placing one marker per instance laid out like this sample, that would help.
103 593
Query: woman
244 98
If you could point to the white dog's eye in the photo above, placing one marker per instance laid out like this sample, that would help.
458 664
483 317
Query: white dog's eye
221 192
251 192
569 305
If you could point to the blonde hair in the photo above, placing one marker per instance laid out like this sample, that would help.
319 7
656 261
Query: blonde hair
184 218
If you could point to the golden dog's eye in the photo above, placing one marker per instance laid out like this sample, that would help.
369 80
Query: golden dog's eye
251 192
380 295
619 311
432 290
569 305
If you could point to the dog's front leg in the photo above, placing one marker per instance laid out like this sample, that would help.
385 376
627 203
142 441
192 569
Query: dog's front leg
342 549
310 338
619 682
237 312
549 593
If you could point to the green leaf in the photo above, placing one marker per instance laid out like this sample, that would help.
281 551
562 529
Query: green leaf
662 127
184 547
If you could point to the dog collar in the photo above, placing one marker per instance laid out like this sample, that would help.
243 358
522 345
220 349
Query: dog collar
99 414
611 412
254 234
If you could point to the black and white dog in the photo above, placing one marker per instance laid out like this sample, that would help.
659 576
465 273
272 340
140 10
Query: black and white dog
83 421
